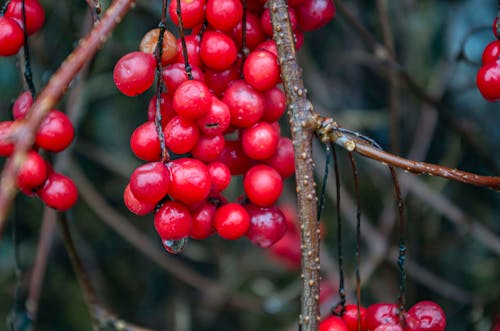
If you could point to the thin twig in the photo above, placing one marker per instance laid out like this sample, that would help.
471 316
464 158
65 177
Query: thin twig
159 81
50 95
187 66
300 114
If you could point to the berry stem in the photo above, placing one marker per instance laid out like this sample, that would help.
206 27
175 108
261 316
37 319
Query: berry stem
159 82
187 66
244 48
28 74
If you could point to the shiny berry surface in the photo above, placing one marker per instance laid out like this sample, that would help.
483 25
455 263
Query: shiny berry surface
150 41
134 73
425 316
231 221
260 141
381 313
190 180
208 149
333 323
220 176
267 225
150 182
263 185
32 172
245 104
202 225
11 37
35 14
488 81
55 132
181 135
224 14
314 14
135 205
173 221
144 142
261 70
192 13
192 100
58 192
22 105
283 160
217 50
216 120
175 74
350 317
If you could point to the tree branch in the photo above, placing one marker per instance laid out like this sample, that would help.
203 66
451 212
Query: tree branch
25 132
302 128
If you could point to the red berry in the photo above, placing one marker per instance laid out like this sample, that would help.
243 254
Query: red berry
314 14
275 104
134 73
35 15
283 160
181 135
333 323
381 313
22 105
488 81
350 317
32 172
166 110
245 104
216 120
254 33
220 176
193 50
261 70
135 205
233 156
425 316
491 52
265 20
173 221
218 81
263 185
208 149
231 221
6 144
150 41
217 50
150 182
192 13
203 217
268 45
11 37
144 142
260 141
190 180
224 14
55 133
175 74
192 100
267 225
58 192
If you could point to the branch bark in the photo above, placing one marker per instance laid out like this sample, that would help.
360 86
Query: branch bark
24 134
302 127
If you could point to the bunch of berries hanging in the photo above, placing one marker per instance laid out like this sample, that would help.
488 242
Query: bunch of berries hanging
488 76
219 112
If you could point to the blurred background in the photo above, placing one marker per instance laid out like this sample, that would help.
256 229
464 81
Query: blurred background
423 105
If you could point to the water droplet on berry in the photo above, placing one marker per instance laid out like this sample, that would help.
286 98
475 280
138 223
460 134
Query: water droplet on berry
175 246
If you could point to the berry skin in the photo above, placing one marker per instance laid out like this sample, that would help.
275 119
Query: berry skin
275 104
220 176
181 135
208 149
6 145
58 192
216 120
261 70
233 156
217 50
35 15
190 181
203 216
173 221
350 317
224 14
11 37
245 104
144 142
134 73
263 185
267 225
381 313
389 327
283 160
150 41
192 13
333 323
174 75
425 316
192 100
488 81
218 81
135 205
149 182
55 133
254 33
22 105
193 50
260 141
32 172
166 110
231 221
314 14
265 20
491 52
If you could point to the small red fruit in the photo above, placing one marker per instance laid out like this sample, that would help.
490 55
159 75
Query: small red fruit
231 221
381 313
134 73
245 104
224 14
491 52
192 100
203 216
220 176
11 37
32 172
144 142
333 323
425 316
267 225
190 181
55 133
149 182
173 221
35 15
283 160
181 135
263 185
261 70
217 50
58 192
488 81
22 105
208 149
350 317
135 205
314 14
216 120
192 12
260 141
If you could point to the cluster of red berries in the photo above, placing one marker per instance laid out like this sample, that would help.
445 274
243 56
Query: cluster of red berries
218 123
488 76
11 24
36 176
423 316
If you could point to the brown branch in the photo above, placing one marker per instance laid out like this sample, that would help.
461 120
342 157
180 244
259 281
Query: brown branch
302 128
50 95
